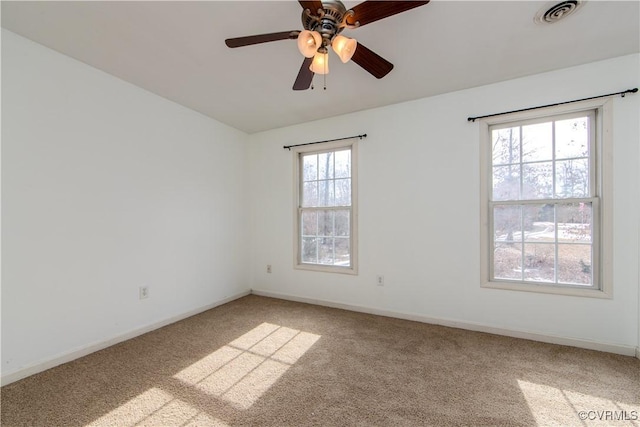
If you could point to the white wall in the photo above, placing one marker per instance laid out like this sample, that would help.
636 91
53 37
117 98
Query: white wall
419 210
105 188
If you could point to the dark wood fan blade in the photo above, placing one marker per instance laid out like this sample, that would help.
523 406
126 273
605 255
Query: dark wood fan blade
373 10
371 61
305 75
261 38
313 6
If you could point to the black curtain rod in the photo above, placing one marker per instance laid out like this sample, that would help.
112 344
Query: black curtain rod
289 147
623 93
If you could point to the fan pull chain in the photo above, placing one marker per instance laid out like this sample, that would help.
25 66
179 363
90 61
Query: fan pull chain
324 77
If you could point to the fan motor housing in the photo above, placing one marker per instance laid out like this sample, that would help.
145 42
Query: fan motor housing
330 21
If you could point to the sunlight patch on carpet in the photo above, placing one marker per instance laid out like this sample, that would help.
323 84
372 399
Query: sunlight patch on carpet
554 406
243 370
156 407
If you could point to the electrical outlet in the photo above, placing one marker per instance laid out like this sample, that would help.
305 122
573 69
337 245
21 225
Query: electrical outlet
380 280
144 292
268 268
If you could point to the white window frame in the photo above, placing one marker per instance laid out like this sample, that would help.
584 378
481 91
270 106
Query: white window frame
297 192
602 159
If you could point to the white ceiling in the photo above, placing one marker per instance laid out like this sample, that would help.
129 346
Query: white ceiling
177 50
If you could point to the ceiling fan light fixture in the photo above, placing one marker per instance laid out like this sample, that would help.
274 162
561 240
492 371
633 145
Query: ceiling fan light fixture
309 42
320 64
344 47
322 23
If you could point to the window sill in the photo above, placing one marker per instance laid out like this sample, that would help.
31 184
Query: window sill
327 269
549 289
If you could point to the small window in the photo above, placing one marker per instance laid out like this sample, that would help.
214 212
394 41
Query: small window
542 208
325 208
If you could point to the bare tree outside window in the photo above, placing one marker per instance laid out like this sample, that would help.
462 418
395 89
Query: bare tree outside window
325 209
542 202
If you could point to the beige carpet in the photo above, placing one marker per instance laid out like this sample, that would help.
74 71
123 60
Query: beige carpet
267 362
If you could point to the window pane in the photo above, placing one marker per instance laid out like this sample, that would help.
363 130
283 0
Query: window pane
537 180
507 223
325 166
325 217
507 259
539 262
343 192
572 178
537 142
342 252
310 194
506 146
574 264
309 223
325 223
325 250
572 138
343 164
506 182
538 236
574 222
342 223
309 250
326 194
310 167
538 223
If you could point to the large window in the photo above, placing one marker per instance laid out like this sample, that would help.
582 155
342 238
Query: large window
325 208
543 202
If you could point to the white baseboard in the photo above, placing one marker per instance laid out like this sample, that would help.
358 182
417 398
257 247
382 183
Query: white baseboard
96 346
478 327
637 352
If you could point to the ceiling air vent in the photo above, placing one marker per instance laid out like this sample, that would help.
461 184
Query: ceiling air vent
553 12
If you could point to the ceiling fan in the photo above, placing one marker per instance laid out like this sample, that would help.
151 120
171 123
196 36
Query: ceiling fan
323 21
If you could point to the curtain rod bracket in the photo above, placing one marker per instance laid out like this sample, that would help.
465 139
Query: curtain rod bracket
622 94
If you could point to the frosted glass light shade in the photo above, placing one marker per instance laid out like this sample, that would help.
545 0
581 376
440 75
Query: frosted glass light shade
309 42
344 47
320 64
